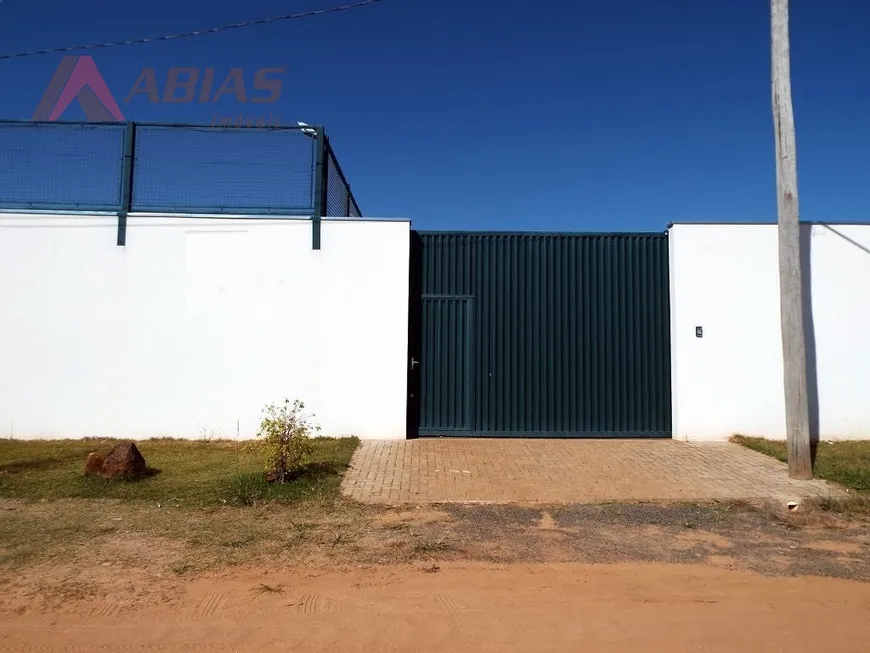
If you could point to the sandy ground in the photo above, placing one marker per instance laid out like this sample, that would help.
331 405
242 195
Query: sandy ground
103 576
476 607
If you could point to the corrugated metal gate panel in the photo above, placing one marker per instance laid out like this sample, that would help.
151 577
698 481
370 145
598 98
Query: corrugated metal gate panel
446 369
569 333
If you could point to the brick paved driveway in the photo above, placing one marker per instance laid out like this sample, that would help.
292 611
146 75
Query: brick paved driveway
565 471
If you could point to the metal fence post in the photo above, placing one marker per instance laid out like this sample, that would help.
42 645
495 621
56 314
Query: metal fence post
321 176
126 182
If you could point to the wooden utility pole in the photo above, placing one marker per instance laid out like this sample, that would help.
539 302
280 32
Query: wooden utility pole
797 418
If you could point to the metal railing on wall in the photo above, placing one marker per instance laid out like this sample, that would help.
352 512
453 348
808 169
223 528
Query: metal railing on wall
339 200
160 168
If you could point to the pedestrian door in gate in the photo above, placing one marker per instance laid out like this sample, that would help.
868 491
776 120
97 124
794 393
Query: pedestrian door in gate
446 364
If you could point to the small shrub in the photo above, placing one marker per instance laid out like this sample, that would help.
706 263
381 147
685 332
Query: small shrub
285 439
248 489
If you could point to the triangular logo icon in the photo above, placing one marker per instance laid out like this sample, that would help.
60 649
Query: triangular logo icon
78 78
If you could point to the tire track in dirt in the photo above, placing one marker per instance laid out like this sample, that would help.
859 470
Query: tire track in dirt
310 605
313 604
447 604
108 609
212 605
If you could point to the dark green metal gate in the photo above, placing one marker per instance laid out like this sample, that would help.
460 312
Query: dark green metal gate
446 387
539 335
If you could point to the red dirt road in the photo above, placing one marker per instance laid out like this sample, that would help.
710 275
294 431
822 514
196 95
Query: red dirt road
468 607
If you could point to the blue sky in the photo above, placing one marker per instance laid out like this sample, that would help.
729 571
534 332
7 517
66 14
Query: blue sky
519 114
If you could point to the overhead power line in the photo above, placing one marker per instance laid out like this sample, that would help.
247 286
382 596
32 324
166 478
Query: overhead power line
201 32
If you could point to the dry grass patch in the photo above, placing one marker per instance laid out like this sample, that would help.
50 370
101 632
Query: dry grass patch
846 463
193 473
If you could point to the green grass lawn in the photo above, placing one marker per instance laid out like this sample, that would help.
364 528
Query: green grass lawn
194 473
847 463
210 505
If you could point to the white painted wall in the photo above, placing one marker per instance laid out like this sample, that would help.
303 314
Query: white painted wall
198 323
725 278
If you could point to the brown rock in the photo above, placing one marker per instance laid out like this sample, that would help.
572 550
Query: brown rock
124 461
94 464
